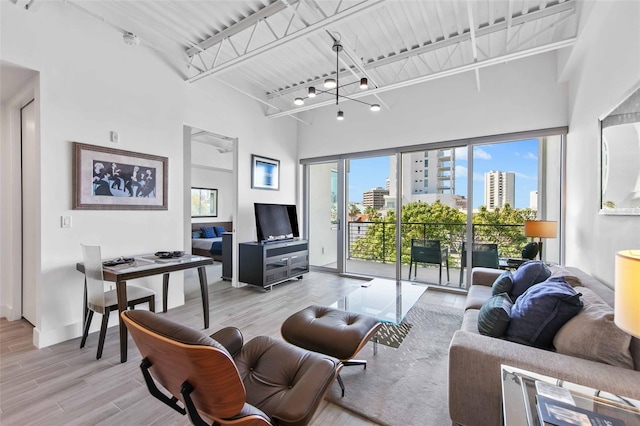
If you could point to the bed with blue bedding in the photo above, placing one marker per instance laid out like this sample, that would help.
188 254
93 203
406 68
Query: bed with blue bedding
206 238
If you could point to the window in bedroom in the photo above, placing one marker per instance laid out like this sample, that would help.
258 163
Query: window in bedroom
204 202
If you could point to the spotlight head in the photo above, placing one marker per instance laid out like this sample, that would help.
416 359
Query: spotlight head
340 115
330 83
298 101
312 92
364 83
130 38
375 107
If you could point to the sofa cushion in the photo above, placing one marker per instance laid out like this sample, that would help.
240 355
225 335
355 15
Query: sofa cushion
208 232
477 295
593 335
502 284
538 314
570 277
528 274
495 315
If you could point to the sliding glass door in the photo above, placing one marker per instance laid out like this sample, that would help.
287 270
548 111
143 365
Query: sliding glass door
429 214
323 219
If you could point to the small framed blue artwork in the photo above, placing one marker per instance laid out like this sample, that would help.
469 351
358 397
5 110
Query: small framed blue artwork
265 173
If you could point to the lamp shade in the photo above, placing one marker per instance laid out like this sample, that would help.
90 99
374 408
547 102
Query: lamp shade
627 291
541 228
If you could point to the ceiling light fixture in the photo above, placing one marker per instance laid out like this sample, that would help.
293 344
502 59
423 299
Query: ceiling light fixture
334 83
130 38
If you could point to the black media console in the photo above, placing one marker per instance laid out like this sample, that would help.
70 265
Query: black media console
265 265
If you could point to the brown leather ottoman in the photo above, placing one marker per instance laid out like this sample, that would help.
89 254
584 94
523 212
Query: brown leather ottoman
330 331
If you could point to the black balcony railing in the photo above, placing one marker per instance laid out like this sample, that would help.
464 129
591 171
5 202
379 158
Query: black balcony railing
376 241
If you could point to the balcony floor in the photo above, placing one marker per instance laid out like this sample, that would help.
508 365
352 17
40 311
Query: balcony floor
427 274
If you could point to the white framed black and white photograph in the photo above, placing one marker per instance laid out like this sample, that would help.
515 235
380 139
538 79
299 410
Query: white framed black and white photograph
112 179
265 173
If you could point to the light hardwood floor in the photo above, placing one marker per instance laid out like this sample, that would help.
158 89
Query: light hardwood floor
65 385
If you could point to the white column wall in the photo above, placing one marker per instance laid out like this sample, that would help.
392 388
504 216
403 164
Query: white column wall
603 67
92 83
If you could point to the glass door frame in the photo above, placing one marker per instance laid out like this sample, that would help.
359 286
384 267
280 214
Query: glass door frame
469 144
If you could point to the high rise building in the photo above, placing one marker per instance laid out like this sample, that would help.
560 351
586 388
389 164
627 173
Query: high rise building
374 198
427 176
499 189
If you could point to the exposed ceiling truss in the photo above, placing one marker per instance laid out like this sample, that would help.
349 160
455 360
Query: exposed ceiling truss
274 50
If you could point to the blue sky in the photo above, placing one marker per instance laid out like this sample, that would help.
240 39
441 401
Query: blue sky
520 157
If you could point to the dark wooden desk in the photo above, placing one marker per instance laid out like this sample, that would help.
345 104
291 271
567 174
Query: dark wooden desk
148 267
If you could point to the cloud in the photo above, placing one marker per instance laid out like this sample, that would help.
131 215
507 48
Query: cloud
478 153
461 171
481 154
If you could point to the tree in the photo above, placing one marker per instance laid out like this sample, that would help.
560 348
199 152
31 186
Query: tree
354 211
438 221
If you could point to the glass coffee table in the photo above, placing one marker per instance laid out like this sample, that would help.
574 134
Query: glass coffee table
387 300
519 399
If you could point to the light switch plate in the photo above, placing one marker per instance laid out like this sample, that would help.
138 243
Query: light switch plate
65 221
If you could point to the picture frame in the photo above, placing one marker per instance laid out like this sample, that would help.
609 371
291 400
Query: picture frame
204 202
113 179
265 173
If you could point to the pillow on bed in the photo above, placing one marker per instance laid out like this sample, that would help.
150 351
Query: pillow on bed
219 230
196 234
208 232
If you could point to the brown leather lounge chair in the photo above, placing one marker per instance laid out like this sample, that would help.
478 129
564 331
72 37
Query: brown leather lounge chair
263 382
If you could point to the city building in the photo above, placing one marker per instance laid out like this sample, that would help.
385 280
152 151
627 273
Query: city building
427 176
499 189
374 198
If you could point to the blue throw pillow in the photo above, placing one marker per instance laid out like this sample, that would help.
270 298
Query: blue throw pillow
196 234
219 230
208 232
528 274
502 284
495 315
541 311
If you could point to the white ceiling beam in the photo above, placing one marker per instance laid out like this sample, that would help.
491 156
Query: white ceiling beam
239 26
318 26
474 46
480 32
442 74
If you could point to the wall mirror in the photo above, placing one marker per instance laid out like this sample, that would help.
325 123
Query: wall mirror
620 156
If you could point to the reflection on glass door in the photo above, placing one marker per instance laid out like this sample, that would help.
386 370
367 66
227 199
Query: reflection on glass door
514 182
323 215
371 218
433 221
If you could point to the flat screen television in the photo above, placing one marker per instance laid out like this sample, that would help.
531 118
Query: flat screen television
276 222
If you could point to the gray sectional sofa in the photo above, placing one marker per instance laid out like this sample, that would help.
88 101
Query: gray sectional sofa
475 395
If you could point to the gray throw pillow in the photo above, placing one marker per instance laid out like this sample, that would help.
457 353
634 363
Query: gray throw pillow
593 335
494 315
502 284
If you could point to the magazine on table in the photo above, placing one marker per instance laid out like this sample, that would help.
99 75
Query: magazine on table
557 413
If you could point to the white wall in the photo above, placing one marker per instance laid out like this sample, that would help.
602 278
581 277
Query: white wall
92 83
517 96
213 169
604 65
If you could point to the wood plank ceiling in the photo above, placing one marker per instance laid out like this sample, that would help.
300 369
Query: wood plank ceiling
274 50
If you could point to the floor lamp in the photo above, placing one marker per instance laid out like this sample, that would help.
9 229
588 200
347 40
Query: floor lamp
627 291
541 229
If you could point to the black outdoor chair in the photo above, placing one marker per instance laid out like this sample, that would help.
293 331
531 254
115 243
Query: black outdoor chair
485 255
428 251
